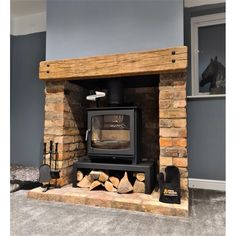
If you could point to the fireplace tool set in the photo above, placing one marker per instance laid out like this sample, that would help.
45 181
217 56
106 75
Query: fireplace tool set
46 172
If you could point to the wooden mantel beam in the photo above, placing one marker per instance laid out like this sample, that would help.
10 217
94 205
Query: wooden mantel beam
117 65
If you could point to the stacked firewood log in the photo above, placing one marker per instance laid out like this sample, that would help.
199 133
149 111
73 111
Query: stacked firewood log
100 180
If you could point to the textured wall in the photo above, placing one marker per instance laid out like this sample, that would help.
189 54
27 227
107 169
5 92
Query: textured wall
172 123
27 99
65 124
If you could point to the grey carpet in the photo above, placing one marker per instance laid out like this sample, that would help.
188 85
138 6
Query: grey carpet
24 173
23 177
32 217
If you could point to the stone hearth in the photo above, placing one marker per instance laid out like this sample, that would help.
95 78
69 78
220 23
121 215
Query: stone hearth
65 119
135 201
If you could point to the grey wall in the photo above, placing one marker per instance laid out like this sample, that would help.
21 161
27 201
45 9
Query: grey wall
27 99
84 28
206 138
206 118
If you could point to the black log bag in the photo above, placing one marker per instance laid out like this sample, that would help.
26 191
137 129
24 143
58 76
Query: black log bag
169 184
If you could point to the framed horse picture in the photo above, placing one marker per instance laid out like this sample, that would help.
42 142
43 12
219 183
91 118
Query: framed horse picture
208 55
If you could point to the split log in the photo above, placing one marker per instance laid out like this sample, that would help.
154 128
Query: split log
103 177
140 176
90 178
80 175
139 186
124 186
84 183
115 181
109 187
95 174
94 185
98 175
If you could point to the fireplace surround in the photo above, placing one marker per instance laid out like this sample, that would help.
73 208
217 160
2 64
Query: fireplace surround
65 104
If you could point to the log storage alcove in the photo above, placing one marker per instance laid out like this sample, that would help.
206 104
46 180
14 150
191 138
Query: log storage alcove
65 110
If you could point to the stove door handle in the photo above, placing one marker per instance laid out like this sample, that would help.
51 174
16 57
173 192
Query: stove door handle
86 135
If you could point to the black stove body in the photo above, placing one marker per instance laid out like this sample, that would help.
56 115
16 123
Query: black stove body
114 134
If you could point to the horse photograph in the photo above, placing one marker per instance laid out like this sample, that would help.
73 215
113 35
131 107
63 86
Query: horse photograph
214 75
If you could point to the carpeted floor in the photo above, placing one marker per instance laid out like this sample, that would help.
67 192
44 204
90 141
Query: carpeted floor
32 217
23 177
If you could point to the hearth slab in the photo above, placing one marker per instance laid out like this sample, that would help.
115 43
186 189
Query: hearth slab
133 201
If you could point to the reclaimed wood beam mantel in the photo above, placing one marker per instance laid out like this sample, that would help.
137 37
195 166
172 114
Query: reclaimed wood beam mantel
169 60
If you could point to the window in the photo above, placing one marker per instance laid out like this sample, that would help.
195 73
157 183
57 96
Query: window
208 54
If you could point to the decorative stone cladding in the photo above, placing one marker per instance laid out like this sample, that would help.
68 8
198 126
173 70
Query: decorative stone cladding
65 124
172 123
164 122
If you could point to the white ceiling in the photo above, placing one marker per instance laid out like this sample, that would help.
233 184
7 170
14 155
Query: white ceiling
27 7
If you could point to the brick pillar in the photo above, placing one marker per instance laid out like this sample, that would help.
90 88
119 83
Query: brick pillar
172 123
65 124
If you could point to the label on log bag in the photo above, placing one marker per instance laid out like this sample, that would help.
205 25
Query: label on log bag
170 185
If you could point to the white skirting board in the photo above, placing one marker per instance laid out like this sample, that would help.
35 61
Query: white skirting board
207 184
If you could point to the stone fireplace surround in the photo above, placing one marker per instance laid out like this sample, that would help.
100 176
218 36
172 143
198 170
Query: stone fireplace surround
164 122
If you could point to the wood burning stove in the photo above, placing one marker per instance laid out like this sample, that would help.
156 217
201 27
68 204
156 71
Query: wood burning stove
114 133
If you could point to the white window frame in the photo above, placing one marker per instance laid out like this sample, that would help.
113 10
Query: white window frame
196 22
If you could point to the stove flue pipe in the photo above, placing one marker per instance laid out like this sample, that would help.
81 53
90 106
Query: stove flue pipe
115 92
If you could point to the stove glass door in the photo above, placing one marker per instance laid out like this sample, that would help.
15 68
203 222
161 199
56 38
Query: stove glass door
110 131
